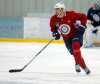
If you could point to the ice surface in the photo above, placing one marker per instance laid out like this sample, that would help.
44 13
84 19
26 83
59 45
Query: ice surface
53 66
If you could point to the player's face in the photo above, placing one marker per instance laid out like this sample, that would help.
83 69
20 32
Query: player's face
59 12
96 6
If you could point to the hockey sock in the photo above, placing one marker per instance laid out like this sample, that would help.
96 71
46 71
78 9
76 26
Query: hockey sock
77 54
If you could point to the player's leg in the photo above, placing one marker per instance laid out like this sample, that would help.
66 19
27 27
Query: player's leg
98 33
76 45
68 44
77 54
88 36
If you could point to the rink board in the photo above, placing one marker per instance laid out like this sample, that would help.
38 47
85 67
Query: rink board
30 40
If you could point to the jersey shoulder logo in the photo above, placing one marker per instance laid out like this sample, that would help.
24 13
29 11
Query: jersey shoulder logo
64 29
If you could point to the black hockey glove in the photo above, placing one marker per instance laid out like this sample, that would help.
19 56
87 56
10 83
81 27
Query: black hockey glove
56 35
80 30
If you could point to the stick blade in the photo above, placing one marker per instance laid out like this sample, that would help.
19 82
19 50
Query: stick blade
15 70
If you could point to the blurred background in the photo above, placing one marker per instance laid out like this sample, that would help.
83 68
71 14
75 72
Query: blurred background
30 18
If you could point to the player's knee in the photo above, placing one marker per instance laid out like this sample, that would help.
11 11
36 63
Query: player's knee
76 46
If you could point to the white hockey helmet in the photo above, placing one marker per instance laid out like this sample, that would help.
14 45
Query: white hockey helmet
60 5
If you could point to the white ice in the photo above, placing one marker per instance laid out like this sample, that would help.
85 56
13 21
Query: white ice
53 66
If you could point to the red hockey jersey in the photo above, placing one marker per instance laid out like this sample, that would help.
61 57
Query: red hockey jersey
66 25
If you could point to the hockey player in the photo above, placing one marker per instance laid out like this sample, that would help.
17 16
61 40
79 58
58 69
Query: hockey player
93 25
71 26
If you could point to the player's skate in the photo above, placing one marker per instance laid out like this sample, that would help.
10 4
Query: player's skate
77 68
87 71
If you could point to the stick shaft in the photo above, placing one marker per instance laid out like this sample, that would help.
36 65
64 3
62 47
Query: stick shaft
19 70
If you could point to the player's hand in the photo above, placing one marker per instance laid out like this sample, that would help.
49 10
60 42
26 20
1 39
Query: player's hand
56 35
77 23
80 31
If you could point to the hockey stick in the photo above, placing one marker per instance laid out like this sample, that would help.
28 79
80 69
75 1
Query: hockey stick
19 70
